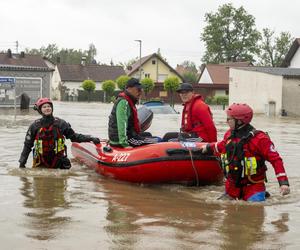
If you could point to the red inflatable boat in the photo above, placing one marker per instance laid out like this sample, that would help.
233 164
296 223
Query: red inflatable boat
165 162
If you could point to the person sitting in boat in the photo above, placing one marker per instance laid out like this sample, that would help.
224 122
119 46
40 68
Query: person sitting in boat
47 138
244 151
124 127
197 121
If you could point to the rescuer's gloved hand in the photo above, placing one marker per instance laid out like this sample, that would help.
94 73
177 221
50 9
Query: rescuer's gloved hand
22 165
95 140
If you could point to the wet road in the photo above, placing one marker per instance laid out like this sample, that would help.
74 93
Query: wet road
78 209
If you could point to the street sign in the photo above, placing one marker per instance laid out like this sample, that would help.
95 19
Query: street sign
7 82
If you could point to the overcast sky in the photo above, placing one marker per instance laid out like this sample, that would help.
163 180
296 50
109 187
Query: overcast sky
174 26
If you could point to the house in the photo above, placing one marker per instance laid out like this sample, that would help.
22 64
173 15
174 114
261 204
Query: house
30 74
67 78
273 91
155 67
214 78
292 58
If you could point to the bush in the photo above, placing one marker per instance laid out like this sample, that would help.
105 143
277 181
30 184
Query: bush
108 87
148 86
121 81
217 100
88 86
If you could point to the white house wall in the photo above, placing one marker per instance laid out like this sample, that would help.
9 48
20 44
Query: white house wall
55 93
291 96
219 92
75 86
205 77
256 89
295 62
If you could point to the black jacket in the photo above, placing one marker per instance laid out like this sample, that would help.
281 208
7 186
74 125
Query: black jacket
63 126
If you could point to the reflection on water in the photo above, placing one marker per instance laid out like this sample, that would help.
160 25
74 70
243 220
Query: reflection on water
136 213
281 223
77 208
44 197
242 226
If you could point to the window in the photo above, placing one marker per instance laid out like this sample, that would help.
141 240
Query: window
147 75
153 61
162 77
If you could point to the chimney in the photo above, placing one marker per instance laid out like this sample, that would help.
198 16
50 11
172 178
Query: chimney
22 54
9 53
83 61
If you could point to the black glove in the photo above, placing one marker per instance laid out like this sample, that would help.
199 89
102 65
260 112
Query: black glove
95 140
22 165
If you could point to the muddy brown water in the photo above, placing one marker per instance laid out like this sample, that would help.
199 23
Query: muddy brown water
79 209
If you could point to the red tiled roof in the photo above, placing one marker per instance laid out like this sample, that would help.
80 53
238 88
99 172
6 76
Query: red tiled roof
17 60
219 73
98 73
136 65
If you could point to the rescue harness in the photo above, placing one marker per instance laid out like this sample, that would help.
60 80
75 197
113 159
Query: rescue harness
240 166
49 146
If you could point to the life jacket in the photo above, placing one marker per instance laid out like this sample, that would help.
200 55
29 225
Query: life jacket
136 123
242 164
186 122
49 146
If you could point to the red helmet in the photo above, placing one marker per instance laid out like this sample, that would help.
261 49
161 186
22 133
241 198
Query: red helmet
240 111
41 101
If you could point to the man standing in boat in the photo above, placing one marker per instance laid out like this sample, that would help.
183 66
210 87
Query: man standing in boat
124 126
47 136
197 120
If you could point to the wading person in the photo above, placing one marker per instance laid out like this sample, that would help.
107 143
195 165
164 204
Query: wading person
47 138
244 151
197 120
124 126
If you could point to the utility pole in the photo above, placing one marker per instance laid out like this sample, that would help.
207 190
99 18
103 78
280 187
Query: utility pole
17 47
140 68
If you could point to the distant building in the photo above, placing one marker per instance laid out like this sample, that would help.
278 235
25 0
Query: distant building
292 58
68 78
31 74
155 67
214 78
273 91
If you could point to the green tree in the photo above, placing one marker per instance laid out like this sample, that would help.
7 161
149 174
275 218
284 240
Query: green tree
91 53
190 77
189 73
273 49
230 35
121 81
65 55
108 87
148 86
171 84
89 86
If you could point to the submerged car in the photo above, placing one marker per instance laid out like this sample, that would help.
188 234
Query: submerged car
159 107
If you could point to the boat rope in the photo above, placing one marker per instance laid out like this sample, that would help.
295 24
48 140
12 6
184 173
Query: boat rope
194 168
181 138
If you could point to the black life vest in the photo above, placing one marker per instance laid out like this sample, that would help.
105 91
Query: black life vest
240 163
133 126
49 145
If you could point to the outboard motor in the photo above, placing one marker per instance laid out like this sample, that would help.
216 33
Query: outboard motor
25 101
145 116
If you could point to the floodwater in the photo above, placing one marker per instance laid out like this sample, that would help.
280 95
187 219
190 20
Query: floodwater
79 209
